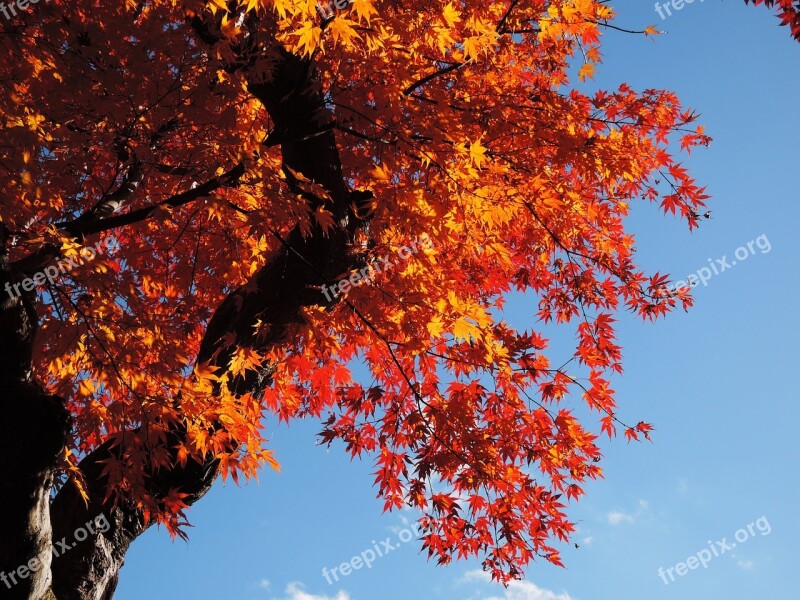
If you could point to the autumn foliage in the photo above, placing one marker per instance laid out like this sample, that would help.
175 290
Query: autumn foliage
163 128
788 12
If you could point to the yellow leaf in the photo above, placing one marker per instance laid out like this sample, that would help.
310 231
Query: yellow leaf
308 38
342 30
586 71
205 371
86 387
472 47
477 153
268 456
435 327
244 359
463 330
380 173
364 9
451 15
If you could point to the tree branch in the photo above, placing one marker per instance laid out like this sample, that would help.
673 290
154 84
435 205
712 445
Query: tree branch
89 224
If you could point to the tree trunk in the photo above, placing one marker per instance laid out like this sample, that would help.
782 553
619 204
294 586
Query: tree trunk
33 431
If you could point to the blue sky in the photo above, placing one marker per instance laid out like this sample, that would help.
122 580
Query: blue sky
716 383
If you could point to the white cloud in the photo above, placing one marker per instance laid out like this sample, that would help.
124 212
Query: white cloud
616 517
295 591
264 584
517 590
746 564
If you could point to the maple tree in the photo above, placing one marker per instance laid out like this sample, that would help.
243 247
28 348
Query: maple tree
235 157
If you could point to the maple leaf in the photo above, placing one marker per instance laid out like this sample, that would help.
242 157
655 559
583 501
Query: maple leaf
477 153
451 15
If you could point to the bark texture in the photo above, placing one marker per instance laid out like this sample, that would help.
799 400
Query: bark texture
33 432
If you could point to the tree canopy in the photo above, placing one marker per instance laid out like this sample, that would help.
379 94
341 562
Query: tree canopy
211 211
